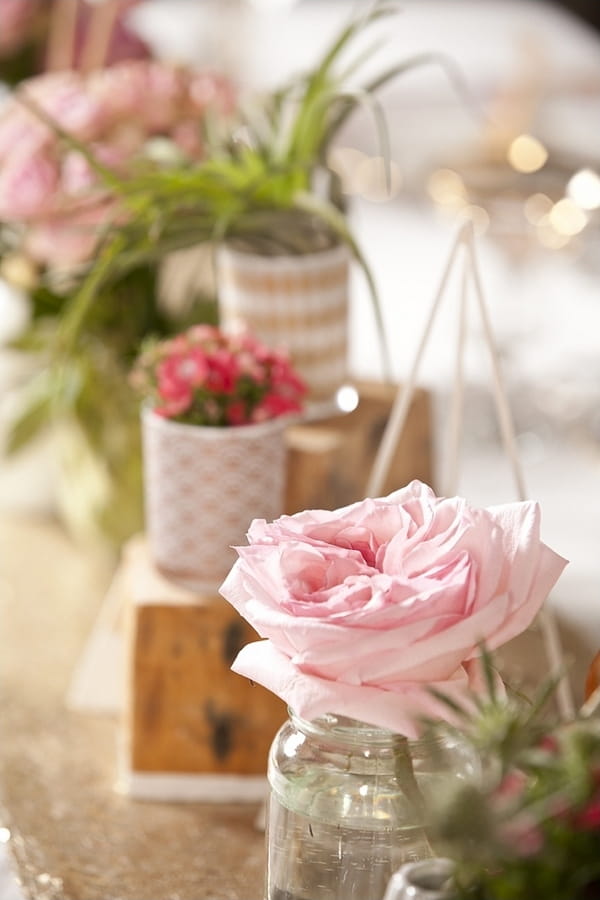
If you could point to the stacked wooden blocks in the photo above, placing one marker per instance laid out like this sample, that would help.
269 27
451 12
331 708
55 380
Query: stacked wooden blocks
192 729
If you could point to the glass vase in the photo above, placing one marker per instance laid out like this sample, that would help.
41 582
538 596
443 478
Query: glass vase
428 879
347 806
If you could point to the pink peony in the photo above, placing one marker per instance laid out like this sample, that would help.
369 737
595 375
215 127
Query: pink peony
71 239
365 608
64 96
115 111
27 186
77 176
20 131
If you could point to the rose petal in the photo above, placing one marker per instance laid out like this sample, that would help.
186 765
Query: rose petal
310 696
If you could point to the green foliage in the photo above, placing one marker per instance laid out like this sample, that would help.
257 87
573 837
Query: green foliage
255 188
532 827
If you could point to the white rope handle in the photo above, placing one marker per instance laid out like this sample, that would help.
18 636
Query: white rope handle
503 412
458 393
547 619
400 407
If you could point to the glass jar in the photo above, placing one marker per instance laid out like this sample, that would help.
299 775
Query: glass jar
347 806
428 879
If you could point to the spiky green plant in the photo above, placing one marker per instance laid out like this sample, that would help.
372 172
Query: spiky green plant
531 828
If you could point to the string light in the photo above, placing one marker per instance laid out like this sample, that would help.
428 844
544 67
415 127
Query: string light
347 398
536 207
567 218
584 189
527 154
447 188
549 237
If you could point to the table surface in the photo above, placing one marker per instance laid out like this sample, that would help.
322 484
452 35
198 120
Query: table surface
72 834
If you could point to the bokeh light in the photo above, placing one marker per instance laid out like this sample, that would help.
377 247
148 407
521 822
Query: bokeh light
584 189
527 154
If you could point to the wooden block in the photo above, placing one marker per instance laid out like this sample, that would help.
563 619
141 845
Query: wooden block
329 461
186 712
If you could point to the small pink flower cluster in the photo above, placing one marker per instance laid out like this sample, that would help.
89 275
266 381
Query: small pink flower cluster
550 795
50 189
206 377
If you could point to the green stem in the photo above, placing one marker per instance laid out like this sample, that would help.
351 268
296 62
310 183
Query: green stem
407 783
80 305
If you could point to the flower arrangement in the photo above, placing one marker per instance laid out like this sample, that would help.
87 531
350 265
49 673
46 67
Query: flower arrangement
532 827
53 202
55 206
90 193
206 377
363 610
256 185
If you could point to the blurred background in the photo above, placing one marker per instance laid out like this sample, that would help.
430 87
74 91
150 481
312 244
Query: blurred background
500 127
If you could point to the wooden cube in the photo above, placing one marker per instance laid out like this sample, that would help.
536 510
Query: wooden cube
330 460
186 711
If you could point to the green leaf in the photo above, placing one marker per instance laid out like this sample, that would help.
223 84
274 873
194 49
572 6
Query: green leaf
33 419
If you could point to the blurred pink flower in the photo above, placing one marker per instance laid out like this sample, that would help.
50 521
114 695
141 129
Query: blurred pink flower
523 835
187 136
272 406
51 188
589 818
27 186
20 131
77 176
70 239
208 90
65 97
197 377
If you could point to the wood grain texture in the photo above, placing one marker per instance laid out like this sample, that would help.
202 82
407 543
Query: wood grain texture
188 711
185 710
329 461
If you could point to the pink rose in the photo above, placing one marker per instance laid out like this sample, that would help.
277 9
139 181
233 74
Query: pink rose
27 186
208 89
149 91
71 239
365 608
20 132
77 176
65 97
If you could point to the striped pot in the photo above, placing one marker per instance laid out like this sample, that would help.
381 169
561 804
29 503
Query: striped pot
203 486
296 302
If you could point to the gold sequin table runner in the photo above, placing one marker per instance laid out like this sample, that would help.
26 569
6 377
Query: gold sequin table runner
73 836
